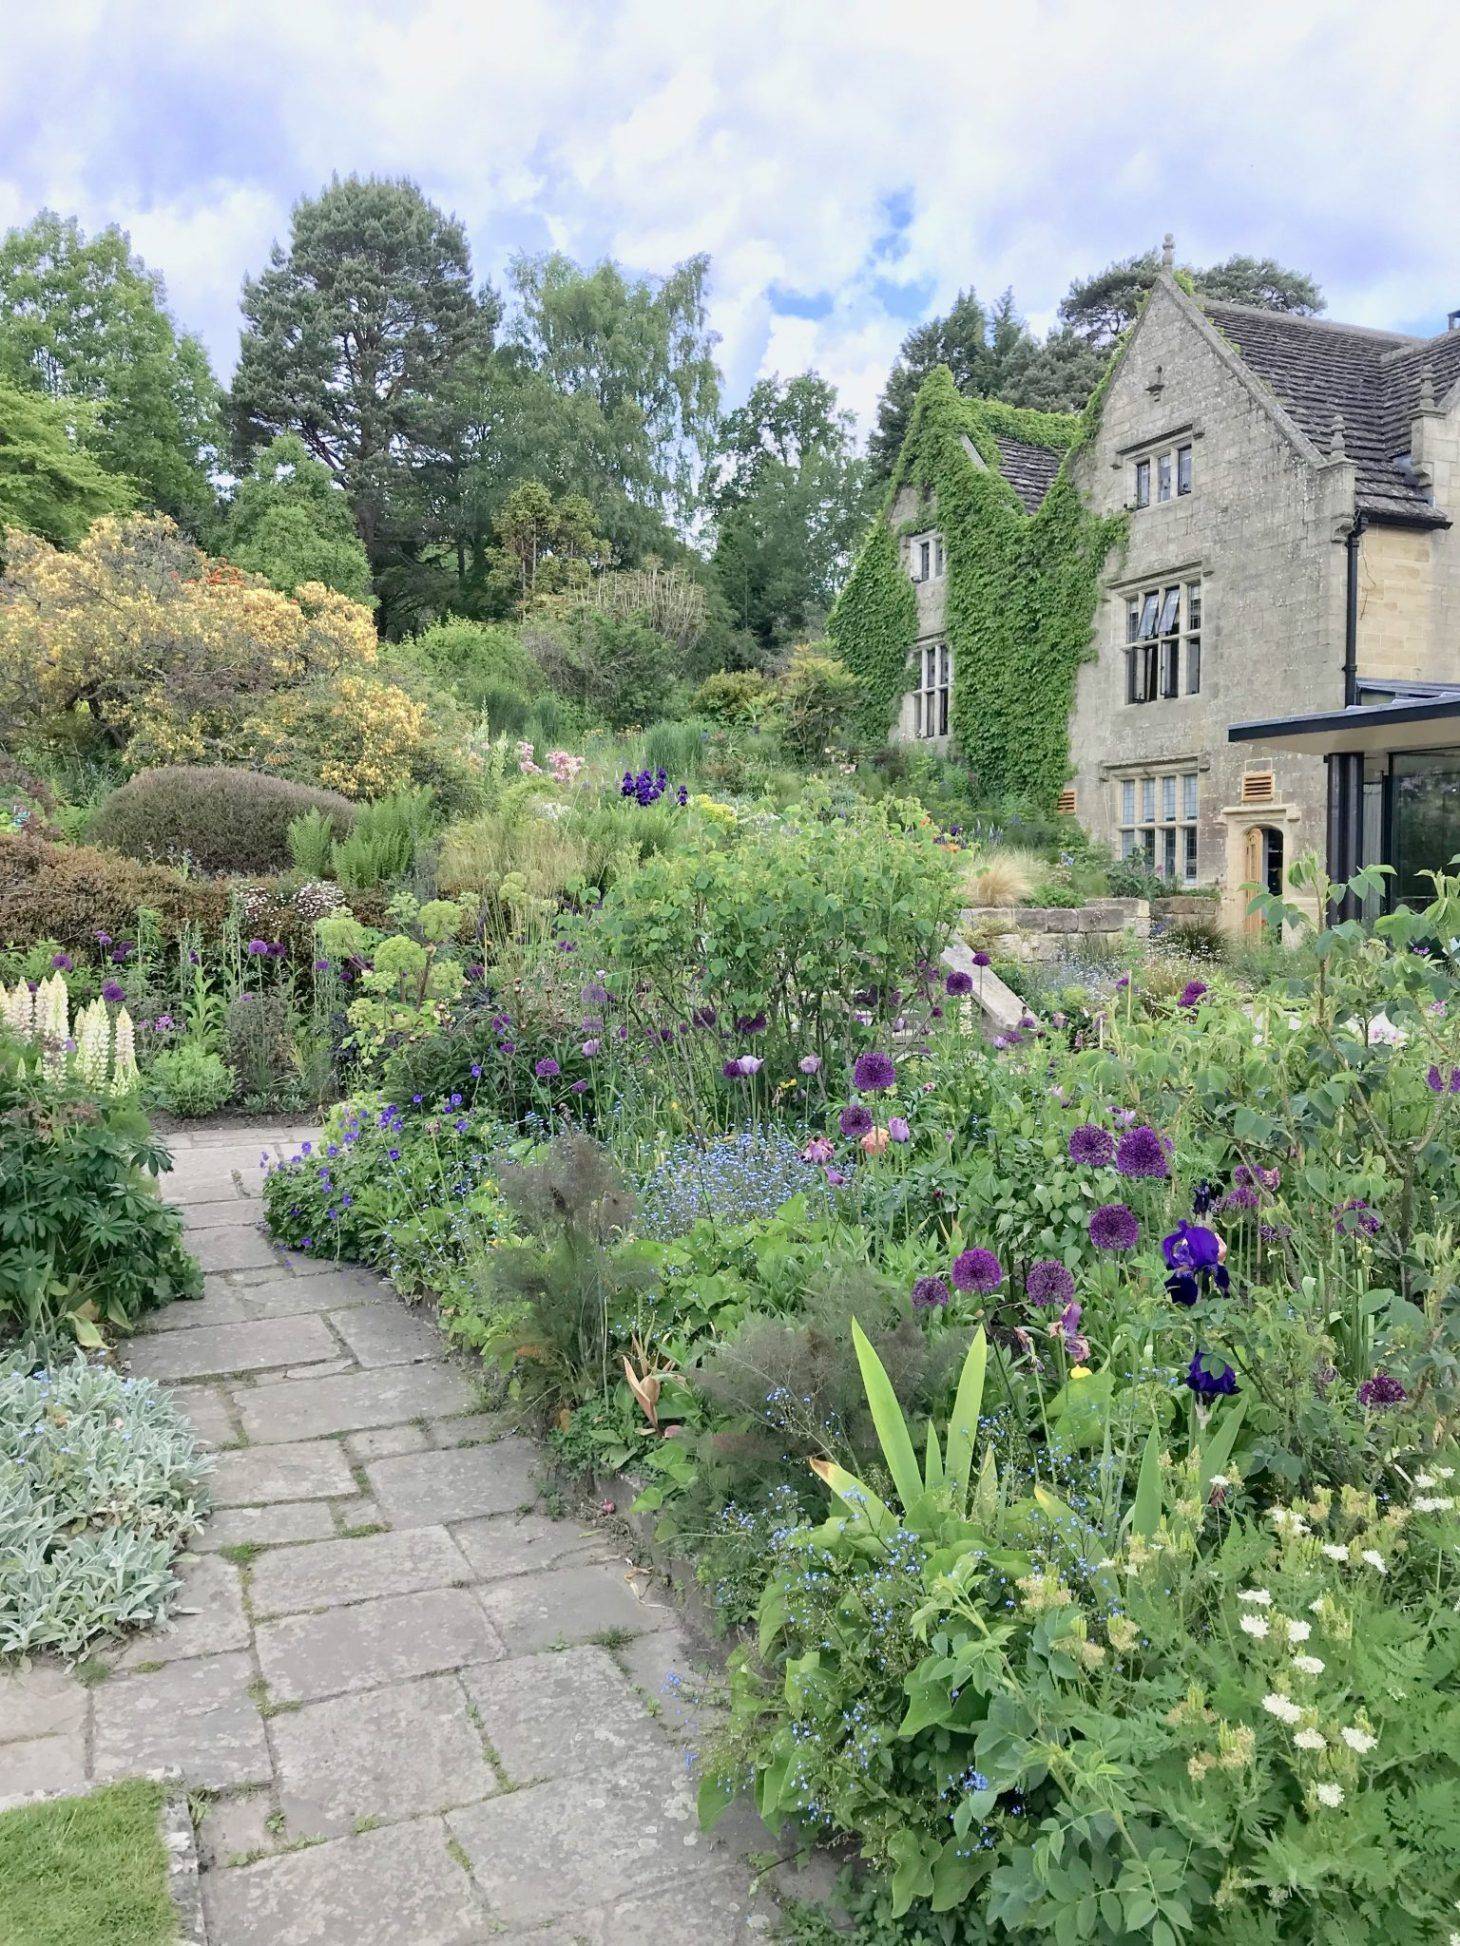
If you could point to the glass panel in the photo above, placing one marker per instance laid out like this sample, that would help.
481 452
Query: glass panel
1193 605
1168 798
1170 669
1148 798
1183 469
942 712
1168 853
944 665
937 557
1132 659
1170 606
1426 814
1193 664
1127 843
918 714
1132 619
1148 845
1189 851
1188 794
1128 800
925 549
1143 483
1149 607
1163 477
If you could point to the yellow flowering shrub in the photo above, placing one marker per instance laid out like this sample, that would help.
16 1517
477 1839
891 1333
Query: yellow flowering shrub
358 733
159 649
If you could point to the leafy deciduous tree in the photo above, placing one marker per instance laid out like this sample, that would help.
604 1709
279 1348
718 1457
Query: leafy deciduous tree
290 523
48 484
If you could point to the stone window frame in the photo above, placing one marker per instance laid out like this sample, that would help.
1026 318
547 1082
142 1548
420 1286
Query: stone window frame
1158 813
1163 664
1167 465
932 698
937 559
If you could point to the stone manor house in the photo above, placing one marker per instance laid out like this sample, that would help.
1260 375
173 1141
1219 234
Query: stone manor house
1276 658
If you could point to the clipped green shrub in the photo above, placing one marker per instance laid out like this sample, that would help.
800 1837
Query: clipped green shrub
219 818
190 1080
87 1238
101 1481
67 893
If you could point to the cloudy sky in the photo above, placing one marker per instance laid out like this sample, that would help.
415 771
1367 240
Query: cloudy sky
848 166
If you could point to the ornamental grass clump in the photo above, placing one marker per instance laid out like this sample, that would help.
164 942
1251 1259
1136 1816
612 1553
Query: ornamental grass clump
101 1482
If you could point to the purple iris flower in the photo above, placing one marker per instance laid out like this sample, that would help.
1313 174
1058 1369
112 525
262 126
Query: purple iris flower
1211 1378
1193 1256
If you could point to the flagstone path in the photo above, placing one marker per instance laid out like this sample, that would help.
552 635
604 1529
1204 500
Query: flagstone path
422 1710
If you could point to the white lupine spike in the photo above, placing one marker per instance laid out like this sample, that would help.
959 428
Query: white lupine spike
53 1008
19 1006
93 1043
124 1059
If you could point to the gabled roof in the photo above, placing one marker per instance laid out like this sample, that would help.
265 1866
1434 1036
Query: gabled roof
1318 370
1030 470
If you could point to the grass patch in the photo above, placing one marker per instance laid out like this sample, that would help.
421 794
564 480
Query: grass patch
79 1870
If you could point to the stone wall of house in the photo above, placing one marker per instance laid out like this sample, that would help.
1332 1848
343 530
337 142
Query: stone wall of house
1040 932
1262 527
1401 597
932 598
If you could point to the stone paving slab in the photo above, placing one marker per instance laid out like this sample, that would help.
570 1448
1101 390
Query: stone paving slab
387 1334
561 1715
242 1300
573 1604
310 1470
210 1413
561 1847
270 1526
215 1350
196 1716
33 1765
382 1442
714 1908
399 1886
234 1249
40 1701
239 1213
314 1408
293 1580
420 1488
207 1617
391 1753
504 1544
306 1656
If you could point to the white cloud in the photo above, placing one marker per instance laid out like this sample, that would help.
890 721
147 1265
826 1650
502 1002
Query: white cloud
1026 144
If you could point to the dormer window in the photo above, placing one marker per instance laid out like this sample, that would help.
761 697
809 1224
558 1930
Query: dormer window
1162 475
925 557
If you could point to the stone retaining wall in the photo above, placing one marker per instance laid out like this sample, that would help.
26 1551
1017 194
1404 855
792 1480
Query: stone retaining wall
1037 932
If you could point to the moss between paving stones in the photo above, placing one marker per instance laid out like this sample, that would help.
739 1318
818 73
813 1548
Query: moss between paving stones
76 1871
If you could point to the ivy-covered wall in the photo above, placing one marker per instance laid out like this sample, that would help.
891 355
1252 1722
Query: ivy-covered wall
1020 593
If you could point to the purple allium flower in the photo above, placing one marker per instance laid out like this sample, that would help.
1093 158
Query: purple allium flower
1141 1152
547 1068
163 1023
506 1047
1192 993
579 1087
62 962
1049 1282
256 948
1381 1390
854 1120
978 1270
1240 1198
195 958
818 1149
810 1064
872 1072
929 1294
982 959
1114 1228
899 1128
958 984
113 990
1211 1378
1091 1146
321 966
1356 1218
590 1048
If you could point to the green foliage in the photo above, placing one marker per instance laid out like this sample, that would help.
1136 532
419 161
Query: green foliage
817 703
216 817
617 669
1101 307
67 893
290 522
74 1870
190 1080
733 696
541 547
83 319
310 838
101 1482
49 484
1021 589
383 841
86 1236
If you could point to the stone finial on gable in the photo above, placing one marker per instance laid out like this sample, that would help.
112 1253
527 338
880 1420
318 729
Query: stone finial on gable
1427 401
1336 448
1168 251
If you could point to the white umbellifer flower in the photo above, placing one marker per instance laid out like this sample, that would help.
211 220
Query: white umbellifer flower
1315 1607
1358 1740
1299 1631
1424 1479
1220 1480
1254 1625
1310 1740
1289 1520
1283 1708
1334 1551
1259 1595
1374 1559
1311 1665
1446 1472
1329 1794
1433 1503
